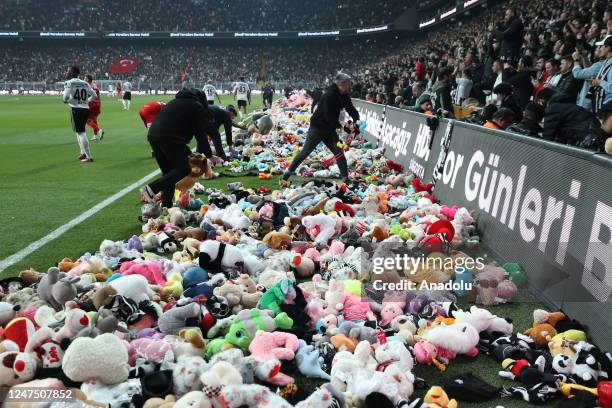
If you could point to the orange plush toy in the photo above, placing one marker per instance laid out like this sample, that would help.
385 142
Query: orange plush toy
199 168
543 329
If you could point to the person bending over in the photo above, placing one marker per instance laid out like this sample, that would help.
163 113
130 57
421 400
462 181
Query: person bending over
323 125
176 124
223 117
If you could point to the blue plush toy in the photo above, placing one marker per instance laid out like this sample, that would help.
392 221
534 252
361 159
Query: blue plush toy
196 282
309 361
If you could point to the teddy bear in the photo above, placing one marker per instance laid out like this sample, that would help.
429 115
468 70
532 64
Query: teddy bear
8 311
277 240
148 269
173 320
17 367
404 329
218 257
233 293
267 349
104 358
134 287
543 329
321 228
303 265
459 338
200 167
190 232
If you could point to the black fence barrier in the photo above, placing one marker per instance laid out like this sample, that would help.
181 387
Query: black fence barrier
544 205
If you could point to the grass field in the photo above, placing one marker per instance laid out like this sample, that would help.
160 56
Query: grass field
43 186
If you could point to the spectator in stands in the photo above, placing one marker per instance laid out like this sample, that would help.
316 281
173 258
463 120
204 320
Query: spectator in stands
564 121
501 119
602 83
522 81
530 124
510 33
542 76
505 98
554 76
442 91
600 139
417 90
567 83
405 90
604 52
399 102
419 69
423 105
464 87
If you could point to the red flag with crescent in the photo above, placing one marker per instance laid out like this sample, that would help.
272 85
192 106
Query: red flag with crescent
123 66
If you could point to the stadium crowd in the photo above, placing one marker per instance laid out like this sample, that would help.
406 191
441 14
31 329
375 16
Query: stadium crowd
540 68
514 67
203 15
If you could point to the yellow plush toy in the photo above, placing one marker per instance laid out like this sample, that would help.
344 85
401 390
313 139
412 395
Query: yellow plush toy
436 398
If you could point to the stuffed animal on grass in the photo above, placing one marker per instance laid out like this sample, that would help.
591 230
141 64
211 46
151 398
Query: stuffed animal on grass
244 326
309 361
218 257
436 397
267 349
56 288
321 228
277 240
104 358
200 167
274 297
543 329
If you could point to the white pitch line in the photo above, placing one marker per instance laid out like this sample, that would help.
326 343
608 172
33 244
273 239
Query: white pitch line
18 256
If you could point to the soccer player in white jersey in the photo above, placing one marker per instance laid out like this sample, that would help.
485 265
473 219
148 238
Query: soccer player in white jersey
127 95
78 94
111 91
211 92
242 95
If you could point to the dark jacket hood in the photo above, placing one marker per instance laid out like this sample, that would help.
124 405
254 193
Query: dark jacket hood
194 94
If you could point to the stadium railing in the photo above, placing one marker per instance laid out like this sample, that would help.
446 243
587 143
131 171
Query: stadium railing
541 204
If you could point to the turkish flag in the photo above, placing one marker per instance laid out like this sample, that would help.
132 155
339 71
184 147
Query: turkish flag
123 66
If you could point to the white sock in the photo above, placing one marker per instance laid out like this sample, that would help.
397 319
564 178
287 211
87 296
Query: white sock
123 101
84 143
80 143
128 104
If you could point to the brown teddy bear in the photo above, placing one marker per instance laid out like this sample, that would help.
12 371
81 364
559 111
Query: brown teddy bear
103 296
231 236
277 240
250 296
190 232
66 264
232 293
200 167
543 329
317 208
30 276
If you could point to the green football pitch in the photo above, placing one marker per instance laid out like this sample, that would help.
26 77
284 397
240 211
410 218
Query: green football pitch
43 186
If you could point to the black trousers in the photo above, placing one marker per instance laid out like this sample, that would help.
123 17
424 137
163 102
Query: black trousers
313 138
216 139
173 161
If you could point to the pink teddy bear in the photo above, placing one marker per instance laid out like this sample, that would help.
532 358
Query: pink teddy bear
390 310
356 309
449 212
150 270
267 349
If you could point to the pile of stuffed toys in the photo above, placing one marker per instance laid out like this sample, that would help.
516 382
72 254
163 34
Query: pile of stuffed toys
219 304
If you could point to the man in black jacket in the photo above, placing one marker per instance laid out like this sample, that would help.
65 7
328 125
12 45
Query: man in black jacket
223 117
505 96
564 121
567 83
442 90
186 116
510 33
323 125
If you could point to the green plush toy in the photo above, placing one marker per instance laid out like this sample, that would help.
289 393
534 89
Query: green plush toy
275 296
245 325
403 233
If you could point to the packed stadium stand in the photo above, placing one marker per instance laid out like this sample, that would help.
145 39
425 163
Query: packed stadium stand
194 15
496 54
